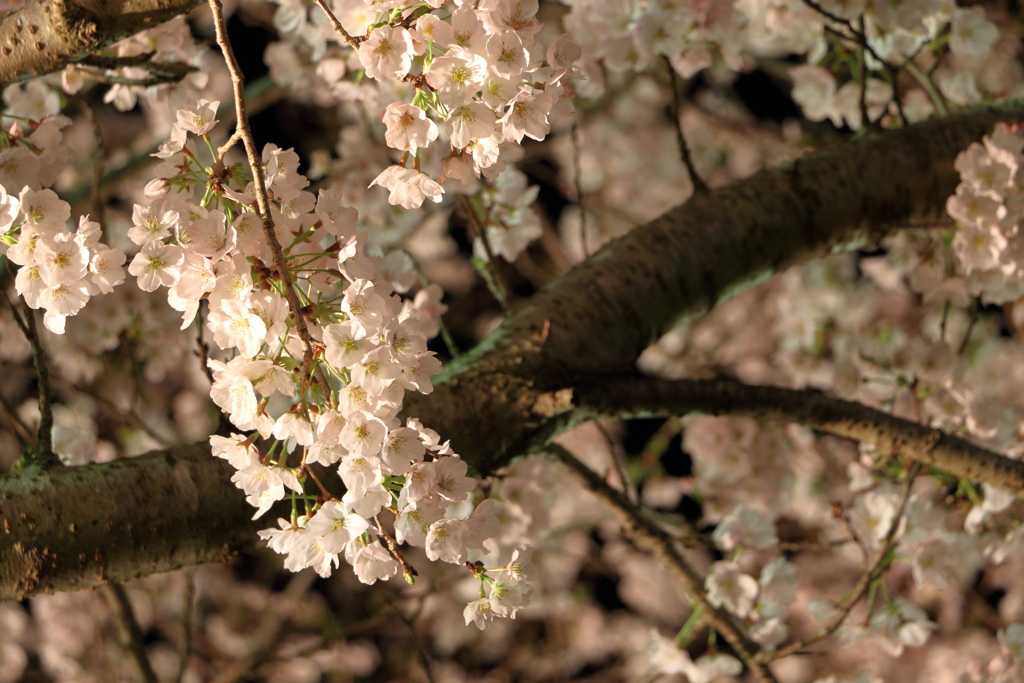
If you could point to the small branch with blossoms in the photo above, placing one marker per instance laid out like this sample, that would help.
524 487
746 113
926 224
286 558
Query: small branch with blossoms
664 547
346 383
872 572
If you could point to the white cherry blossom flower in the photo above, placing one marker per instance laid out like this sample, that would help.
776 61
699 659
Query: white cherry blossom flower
971 35
336 526
457 76
506 595
10 205
373 563
346 347
60 301
157 264
408 187
506 54
44 210
19 168
387 53
413 522
363 434
408 127
234 325
199 117
61 259
446 541
451 480
479 613
729 587
528 116
473 120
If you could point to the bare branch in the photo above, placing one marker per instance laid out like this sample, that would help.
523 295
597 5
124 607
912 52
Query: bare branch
128 631
338 28
632 395
599 316
677 111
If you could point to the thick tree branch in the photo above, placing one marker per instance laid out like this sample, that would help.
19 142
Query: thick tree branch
598 317
637 395
515 391
80 527
47 35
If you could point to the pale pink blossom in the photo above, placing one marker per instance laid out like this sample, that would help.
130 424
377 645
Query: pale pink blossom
363 434
446 541
408 187
234 325
199 117
457 76
373 563
971 35
61 259
527 116
479 613
729 587
387 53
473 120
44 210
408 127
158 264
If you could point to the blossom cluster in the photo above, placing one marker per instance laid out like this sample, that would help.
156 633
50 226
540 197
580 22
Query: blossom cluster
989 205
481 71
370 347
59 269
481 82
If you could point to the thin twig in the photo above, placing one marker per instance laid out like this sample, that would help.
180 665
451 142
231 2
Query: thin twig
631 395
699 187
865 117
226 147
496 283
424 657
23 431
872 572
44 455
663 546
129 631
204 351
409 572
620 468
577 139
970 328
99 158
188 600
449 341
262 200
338 28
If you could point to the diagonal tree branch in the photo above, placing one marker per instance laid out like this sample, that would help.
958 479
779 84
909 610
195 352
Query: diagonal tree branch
637 395
514 391
598 317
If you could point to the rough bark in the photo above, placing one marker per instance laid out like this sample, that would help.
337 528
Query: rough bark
47 35
634 396
597 318
69 528
516 389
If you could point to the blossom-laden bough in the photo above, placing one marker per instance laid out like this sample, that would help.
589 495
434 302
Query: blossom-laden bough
317 347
